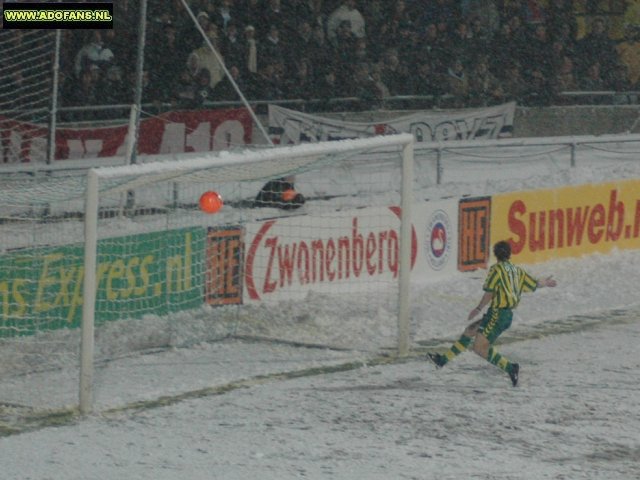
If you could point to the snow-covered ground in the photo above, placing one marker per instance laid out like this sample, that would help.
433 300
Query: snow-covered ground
239 409
574 416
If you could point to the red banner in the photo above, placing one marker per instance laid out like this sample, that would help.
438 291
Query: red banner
173 132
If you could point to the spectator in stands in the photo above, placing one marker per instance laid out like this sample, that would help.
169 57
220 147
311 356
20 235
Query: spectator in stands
304 39
481 39
299 11
565 75
114 41
273 49
232 47
112 87
190 36
204 57
562 24
249 12
504 49
249 65
408 44
92 53
169 12
513 85
184 95
223 15
319 15
369 90
273 15
541 90
323 48
484 87
165 57
343 52
593 81
563 34
70 45
85 91
310 46
346 12
203 19
203 91
533 12
300 84
394 73
519 40
327 88
382 90
400 23
427 81
433 47
226 92
270 83
597 47
457 83
461 44
131 80
558 52
440 12
375 14
629 55
538 50
618 81
360 53
483 15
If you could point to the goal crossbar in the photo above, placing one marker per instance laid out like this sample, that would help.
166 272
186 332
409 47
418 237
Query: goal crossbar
236 166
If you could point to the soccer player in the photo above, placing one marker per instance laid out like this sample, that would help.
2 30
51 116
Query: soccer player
503 286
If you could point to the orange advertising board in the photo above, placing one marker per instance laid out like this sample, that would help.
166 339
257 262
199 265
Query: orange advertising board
568 221
473 233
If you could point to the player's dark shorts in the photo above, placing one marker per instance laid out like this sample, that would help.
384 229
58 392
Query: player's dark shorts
494 322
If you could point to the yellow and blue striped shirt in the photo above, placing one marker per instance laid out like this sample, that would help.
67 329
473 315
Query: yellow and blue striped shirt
507 282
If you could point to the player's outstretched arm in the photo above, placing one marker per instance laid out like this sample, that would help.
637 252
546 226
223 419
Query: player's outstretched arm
547 282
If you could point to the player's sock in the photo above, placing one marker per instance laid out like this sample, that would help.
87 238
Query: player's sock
456 349
498 360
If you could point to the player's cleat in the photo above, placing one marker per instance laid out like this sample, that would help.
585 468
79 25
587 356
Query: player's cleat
437 359
513 373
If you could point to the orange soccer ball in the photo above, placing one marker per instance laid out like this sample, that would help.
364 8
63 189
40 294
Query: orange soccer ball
210 202
289 195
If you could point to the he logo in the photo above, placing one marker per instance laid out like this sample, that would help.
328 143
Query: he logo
225 250
474 216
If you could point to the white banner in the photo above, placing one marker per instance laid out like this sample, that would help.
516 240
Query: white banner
286 258
292 127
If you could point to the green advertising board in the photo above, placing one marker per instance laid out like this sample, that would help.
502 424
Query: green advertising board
152 273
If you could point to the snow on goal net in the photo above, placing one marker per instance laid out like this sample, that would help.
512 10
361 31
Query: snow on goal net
124 260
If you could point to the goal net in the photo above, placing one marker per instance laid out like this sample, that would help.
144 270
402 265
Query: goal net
92 280
25 93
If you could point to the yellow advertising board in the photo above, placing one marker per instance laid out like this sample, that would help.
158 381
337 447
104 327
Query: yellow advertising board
568 221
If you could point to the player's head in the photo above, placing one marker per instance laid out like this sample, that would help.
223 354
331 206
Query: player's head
502 250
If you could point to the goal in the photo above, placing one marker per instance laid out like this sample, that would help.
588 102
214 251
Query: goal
92 279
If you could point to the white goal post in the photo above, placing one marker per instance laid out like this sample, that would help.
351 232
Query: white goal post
239 175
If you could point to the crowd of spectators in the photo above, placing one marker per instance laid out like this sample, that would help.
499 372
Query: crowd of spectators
457 53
